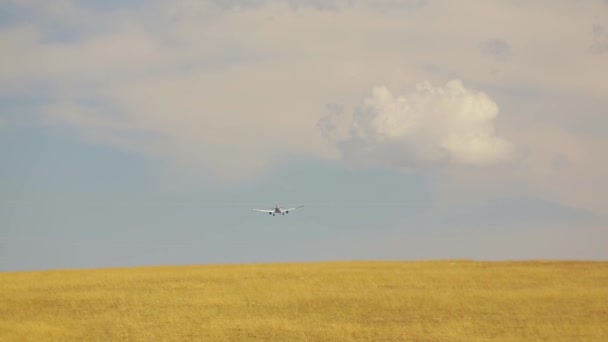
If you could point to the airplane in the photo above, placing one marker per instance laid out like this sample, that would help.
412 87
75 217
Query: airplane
277 210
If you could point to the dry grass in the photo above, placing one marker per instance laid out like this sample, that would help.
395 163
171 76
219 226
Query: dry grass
341 301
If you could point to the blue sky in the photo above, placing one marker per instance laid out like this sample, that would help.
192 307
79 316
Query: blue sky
143 133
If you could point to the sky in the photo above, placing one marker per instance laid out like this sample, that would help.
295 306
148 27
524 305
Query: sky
144 132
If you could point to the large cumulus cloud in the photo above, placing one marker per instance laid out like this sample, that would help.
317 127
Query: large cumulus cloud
428 126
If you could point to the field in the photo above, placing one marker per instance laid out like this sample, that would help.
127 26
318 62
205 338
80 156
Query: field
335 301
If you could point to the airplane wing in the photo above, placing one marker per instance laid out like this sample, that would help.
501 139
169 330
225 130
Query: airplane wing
290 209
264 210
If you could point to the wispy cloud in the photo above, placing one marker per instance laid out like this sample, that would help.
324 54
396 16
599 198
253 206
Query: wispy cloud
600 40
496 48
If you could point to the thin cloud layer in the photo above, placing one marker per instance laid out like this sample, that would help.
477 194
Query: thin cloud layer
428 126
235 88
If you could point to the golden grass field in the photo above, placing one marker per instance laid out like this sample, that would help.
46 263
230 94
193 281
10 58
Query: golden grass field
333 301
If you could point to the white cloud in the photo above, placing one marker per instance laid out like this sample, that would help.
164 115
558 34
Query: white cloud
427 126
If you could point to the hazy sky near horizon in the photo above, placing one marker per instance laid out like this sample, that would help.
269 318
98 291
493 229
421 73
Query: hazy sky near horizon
144 132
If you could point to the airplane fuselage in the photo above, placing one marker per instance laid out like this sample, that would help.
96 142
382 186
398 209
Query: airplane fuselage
279 211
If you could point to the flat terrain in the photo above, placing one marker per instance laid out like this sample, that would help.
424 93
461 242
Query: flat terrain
335 301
